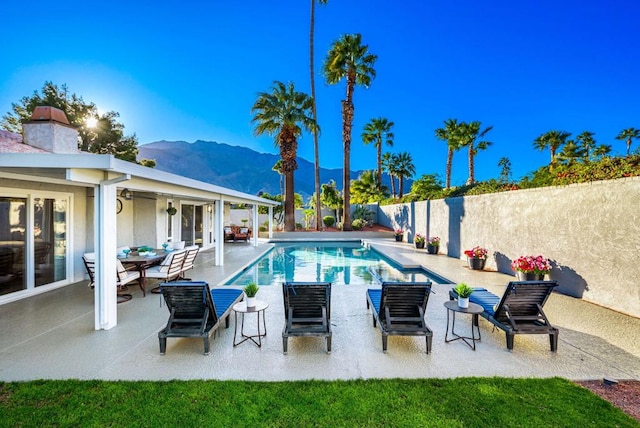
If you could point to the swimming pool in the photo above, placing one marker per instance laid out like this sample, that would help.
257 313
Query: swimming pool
347 263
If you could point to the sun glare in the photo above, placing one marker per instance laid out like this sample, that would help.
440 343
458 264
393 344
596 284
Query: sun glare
91 122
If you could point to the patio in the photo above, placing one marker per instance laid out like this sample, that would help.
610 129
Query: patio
52 336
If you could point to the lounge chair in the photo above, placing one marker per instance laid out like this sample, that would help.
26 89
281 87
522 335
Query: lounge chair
195 310
399 310
519 310
189 260
242 234
307 311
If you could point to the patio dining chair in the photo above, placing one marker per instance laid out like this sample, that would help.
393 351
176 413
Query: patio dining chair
189 260
124 276
307 311
169 270
398 308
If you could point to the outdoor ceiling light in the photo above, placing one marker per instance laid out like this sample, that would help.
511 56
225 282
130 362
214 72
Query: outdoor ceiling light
126 194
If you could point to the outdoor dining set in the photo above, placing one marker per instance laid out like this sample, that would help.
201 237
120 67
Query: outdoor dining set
140 263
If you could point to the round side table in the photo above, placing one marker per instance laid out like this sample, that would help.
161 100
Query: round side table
258 309
474 310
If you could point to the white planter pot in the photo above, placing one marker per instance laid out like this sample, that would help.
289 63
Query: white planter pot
251 302
463 302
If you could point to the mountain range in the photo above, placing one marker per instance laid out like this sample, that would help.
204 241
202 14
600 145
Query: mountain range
237 168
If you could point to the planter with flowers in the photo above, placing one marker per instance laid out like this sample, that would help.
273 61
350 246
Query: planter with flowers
419 240
433 245
531 268
398 234
476 258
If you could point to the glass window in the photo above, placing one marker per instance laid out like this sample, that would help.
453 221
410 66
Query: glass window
49 240
13 223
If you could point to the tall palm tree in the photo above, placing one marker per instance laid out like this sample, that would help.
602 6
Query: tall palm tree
448 134
378 131
405 169
628 135
552 140
314 112
468 135
283 113
587 142
388 163
351 60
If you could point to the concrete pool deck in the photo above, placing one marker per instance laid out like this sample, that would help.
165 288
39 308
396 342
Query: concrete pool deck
51 336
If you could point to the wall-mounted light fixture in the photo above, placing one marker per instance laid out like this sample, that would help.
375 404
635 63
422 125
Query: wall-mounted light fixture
126 194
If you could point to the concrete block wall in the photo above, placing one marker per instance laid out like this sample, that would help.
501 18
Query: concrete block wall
589 231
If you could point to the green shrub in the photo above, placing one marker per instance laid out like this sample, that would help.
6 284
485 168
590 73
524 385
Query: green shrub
328 220
358 224
299 226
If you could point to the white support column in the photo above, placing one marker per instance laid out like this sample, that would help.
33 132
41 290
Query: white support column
270 221
218 227
256 226
106 300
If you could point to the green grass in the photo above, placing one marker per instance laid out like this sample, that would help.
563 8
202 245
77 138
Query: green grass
462 402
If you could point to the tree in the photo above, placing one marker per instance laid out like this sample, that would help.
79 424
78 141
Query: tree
318 205
331 197
277 167
428 186
467 135
405 169
448 134
388 163
281 114
106 136
629 134
277 210
367 189
351 60
571 151
552 140
602 150
505 172
378 131
586 142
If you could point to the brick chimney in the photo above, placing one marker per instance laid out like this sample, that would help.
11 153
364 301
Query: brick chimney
49 129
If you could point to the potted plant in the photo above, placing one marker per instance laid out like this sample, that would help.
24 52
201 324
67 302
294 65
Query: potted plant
250 290
398 234
476 257
419 240
433 245
172 210
463 291
531 268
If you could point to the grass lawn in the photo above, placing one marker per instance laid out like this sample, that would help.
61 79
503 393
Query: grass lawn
461 402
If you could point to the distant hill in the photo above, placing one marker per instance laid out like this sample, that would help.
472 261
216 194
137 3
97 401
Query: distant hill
236 167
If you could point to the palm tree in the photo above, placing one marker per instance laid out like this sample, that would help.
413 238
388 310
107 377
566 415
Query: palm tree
628 135
552 140
448 134
281 113
505 173
377 131
587 142
467 135
570 152
331 197
318 205
388 163
601 151
366 189
405 168
351 60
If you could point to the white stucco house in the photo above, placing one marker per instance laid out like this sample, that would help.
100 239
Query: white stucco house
56 203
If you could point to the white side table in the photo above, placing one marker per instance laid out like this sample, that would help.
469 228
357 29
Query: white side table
258 309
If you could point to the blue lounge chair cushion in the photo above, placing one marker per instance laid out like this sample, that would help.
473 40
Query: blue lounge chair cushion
486 299
375 295
223 298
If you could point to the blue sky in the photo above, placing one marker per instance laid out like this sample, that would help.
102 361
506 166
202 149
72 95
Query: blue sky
192 70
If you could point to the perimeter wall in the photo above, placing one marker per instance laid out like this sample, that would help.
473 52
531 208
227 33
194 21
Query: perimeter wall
589 231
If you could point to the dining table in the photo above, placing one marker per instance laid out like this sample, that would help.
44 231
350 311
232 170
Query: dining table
142 262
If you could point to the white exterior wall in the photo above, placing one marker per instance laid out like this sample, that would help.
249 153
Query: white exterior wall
590 232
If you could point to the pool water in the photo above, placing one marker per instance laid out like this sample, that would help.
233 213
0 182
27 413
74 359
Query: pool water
335 262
